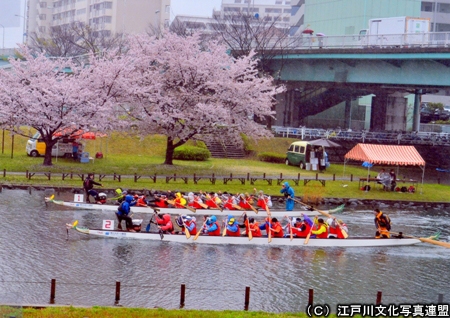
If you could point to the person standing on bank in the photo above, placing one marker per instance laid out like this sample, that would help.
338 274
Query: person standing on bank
393 179
75 146
88 185
289 195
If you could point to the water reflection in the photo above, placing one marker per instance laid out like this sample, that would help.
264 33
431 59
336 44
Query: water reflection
36 248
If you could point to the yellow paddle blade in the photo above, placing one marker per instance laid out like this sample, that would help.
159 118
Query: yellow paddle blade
75 223
51 197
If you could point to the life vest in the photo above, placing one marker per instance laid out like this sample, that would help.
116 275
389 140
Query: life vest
278 230
216 232
322 228
383 221
302 231
193 231
254 227
336 231
141 201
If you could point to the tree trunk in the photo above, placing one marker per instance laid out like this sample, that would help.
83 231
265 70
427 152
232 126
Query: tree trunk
169 151
48 153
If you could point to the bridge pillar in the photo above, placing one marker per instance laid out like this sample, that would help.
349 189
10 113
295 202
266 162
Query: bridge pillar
348 113
388 111
416 114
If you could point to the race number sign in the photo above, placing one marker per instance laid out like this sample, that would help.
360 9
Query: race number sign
78 198
108 225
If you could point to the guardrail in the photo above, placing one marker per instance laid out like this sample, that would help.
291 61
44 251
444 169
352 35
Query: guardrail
411 40
364 136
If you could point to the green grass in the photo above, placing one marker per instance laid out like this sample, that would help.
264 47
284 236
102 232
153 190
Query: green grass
108 312
127 155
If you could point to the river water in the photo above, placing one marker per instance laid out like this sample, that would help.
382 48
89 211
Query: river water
35 248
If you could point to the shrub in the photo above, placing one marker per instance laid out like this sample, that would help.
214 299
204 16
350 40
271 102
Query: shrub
200 144
248 148
271 157
191 153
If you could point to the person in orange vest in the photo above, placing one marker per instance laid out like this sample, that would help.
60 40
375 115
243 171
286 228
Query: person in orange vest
253 226
244 203
264 201
382 223
140 200
335 230
320 229
277 230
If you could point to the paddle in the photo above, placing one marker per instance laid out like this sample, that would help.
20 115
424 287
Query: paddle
198 233
224 232
269 235
429 240
147 228
183 206
344 233
309 234
249 231
186 230
291 235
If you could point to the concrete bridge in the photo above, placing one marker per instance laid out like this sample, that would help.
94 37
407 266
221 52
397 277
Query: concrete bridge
318 79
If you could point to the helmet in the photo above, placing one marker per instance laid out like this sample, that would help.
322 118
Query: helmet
102 196
330 221
136 196
213 218
231 221
128 198
179 221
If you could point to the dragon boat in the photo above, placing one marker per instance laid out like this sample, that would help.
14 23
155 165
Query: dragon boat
243 240
176 211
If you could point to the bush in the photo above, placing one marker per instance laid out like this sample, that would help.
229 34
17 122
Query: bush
191 153
248 148
271 157
200 144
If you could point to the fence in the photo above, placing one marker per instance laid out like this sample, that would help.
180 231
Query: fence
311 308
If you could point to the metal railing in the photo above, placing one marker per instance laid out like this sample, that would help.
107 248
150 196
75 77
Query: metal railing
365 136
413 40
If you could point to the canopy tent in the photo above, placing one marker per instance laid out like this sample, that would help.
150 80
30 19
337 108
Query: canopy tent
387 155
79 134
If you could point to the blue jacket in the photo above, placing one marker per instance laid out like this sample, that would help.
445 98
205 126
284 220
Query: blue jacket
124 207
234 227
289 193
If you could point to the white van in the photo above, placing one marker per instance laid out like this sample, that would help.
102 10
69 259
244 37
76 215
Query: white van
36 147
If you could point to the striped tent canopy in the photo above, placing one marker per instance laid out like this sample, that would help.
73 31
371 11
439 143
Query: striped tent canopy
386 154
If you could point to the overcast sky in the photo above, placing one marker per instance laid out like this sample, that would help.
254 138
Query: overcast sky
200 8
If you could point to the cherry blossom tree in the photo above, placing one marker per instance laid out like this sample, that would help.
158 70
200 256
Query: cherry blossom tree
54 95
187 89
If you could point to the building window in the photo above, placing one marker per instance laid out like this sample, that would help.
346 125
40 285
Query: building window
287 3
108 5
279 2
237 1
42 17
231 9
272 10
444 7
427 6
166 23
81 11
42 29
287 10
107 19
43 4
167 10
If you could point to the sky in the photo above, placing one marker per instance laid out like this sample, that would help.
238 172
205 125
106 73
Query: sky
200 8
12 26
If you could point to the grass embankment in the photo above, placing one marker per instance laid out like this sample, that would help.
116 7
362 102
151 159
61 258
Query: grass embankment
127 155
102 312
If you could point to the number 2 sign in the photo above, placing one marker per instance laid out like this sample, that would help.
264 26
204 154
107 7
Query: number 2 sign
108 225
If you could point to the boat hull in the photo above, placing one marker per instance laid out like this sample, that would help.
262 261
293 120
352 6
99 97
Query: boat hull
135 209
260 241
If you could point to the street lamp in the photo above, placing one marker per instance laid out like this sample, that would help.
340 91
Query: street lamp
3 44
24 20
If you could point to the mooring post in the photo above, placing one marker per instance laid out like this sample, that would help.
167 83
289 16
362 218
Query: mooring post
310 296
116 301
334 177
351 177
52 291
183 291
247 298
4 173
440 298
379 294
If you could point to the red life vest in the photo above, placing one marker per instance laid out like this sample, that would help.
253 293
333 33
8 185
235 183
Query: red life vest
298 230
256 231
194 230
278 230
216 232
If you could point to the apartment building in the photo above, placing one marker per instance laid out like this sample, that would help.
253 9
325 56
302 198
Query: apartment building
105 17
270 10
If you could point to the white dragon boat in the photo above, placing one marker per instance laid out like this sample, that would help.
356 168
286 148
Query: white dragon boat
135 209
243 240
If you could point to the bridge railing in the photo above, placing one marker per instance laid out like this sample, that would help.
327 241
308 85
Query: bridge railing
430 39
364 136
